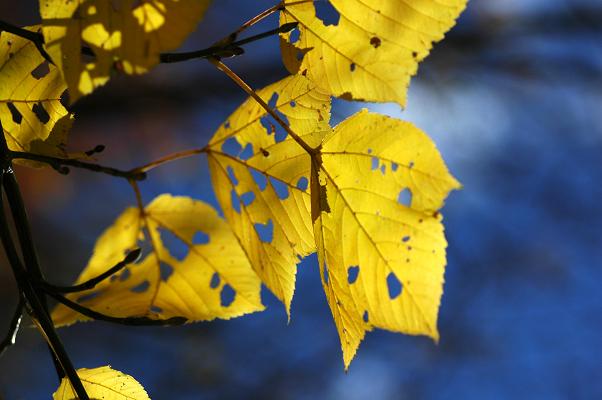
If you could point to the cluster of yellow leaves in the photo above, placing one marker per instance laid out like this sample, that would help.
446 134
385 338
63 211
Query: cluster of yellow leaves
364 194
103 383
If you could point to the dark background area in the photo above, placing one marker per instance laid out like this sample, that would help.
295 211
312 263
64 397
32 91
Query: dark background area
513 100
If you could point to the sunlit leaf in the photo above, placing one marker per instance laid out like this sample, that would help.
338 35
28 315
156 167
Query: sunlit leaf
103 383
31 113
192 266
124 35
261 177
380 238
373 49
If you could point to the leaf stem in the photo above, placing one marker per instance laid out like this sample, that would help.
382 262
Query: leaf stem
13 329
224 68
60 163
131 321
91 283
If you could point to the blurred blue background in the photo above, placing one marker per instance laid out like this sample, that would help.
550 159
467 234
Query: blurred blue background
513 99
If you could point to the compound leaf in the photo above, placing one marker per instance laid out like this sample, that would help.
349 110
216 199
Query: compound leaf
373 50
192 266
261 176
376 189
124 36
103 383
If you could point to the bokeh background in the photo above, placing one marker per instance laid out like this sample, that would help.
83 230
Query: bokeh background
513 99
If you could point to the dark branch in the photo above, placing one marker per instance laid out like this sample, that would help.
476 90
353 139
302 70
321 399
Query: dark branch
225 50
131 321
60 164
13 329
90 284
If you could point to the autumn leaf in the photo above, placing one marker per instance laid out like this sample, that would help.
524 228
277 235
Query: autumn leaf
373 50
103 383
31 112
377 186
261 178
124 36
193 267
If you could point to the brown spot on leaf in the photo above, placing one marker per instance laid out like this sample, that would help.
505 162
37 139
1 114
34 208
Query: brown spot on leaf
346 96
375 41
264 152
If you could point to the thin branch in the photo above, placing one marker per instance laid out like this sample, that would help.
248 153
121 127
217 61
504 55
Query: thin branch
35 37
259 17
60 163
131 321
227 49
91 283
168 158
13 329
224 68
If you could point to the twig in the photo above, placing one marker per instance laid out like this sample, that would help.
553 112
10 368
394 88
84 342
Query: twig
227 49
224 68
170 157
13 329
91 283
59 165
131 321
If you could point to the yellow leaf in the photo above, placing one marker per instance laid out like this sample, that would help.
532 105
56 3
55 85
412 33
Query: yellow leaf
375 48
31 113
382 256
197 283
261 178
103 383
124 35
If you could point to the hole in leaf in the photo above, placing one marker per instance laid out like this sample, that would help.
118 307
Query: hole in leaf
41 70
140 288
200 237
405 239
232 176
227 295
177 248
231 147
247 152
405 197
215 280
294 36
369 151
352 274
280 188
411 165
166 270
17 117
260 179
265 231
327 13
235 201
293 104
394 286
352 67
88 297
375 163
156 310
365 316
273 100
302 183
247 198
125 275
394 167
383 168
